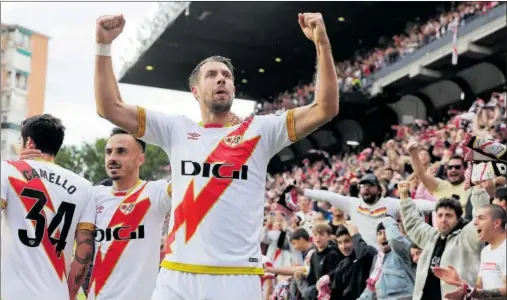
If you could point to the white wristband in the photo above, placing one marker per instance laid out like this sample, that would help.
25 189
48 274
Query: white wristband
103 49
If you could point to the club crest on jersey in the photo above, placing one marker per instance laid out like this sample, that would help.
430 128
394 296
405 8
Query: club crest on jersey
127 208
234 140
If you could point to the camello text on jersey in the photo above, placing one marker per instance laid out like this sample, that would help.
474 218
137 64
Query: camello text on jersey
50 177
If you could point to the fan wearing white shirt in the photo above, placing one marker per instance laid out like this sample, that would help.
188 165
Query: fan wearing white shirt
491 280
369 209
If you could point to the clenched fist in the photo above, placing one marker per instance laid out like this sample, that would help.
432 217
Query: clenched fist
403 189
313 27
109 28
412 148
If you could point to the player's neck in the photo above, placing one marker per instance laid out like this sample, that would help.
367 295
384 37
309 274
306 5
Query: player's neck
497 240
216 118
126 183
46 157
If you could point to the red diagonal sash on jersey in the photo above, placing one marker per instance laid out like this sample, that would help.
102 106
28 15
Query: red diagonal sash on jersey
192 210
104 265
36 184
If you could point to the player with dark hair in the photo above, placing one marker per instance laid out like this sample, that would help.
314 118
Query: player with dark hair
130 213
45 209
44 131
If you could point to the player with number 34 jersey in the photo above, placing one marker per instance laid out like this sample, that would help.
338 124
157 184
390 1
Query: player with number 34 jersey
43 205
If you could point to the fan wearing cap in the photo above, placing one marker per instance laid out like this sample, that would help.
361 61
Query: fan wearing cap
367 210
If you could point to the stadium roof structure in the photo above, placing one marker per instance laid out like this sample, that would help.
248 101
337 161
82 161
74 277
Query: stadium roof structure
264 41
271 55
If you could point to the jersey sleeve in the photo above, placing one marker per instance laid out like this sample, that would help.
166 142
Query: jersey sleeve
280 130
162 198
4 184
88 216
156 127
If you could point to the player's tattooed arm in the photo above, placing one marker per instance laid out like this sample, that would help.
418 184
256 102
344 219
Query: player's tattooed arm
82 258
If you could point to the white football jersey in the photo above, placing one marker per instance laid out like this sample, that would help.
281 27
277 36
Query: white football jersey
127 240
218 176
43 206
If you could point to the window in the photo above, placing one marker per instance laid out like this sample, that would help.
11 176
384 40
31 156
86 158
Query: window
21 80
22 40
8 79
6 100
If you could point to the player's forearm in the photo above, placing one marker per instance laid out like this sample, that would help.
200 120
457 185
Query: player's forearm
106 88
110 106
82 258
326 86
76 278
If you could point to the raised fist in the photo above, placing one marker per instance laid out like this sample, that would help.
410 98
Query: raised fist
109 28
412 147
403 189
313 27
351 228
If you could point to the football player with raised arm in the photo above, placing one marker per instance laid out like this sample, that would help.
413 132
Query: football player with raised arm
218 169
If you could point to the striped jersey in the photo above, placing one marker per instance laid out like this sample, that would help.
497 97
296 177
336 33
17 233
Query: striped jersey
127 240
43 205
218 175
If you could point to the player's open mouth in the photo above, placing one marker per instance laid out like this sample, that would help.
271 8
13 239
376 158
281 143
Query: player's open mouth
479 231
385 243
115 167
221 92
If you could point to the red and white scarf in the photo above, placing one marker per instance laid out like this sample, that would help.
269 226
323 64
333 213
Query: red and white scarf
375 274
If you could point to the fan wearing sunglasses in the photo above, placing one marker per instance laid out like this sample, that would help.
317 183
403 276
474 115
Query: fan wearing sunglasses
440 188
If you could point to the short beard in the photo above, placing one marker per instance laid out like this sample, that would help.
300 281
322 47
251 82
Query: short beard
217 108
115 178
371 199
458 182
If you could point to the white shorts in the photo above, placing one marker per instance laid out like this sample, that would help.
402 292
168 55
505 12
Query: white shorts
175 285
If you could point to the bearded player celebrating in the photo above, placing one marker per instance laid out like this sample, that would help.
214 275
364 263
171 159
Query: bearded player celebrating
219 173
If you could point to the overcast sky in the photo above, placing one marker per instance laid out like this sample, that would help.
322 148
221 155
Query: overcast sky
69 85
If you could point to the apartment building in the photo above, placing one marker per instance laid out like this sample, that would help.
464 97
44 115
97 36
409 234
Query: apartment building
24 55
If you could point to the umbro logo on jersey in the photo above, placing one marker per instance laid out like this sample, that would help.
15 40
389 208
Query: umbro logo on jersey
193 136
100 209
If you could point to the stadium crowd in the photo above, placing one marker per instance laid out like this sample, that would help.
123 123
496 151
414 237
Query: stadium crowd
325 218
335 227
355 74
344 226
